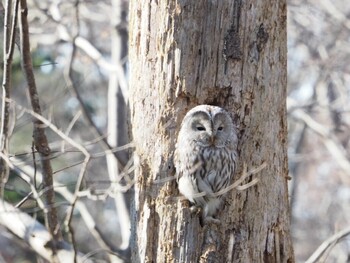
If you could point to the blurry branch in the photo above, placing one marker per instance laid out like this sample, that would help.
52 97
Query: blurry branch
299 145
116 164
117 81
117 108
113 162
294 169
95 55
8 48
35 234
316 256
70 127
336 98
115 68
73 199
50 125
330 141
39 136
85 45
45 122
334 12
27 174
28 180
69 217
70 79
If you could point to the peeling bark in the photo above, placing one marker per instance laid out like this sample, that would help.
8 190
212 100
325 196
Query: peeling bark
181 56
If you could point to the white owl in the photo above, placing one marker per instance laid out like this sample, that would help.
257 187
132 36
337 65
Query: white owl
205 156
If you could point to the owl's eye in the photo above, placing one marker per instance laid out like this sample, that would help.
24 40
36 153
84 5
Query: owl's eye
200 128
220 128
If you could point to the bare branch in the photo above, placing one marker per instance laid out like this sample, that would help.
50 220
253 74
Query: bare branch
35 234
237 184
27 174
70 126
330 141
39 136
315 257
8 46
29 181
117 133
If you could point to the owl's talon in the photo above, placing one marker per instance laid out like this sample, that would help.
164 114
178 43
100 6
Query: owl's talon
195 209
211 220
185 203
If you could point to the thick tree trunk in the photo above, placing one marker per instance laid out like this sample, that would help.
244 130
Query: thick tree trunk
227 53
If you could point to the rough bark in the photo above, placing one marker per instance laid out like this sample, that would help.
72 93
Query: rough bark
226 53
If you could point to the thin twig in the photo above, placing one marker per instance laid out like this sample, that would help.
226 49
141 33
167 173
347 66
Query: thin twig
329 140
26 173
70 127
237 184
34 234
82 43
28 180
39 136
69 73
326 244
47 123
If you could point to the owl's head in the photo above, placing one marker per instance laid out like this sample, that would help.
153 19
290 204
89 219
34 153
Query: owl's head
208 126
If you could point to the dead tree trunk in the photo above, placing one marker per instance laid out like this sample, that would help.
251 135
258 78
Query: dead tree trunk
227 53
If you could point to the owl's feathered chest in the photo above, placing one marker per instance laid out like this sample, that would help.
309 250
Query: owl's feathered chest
211 158
208 162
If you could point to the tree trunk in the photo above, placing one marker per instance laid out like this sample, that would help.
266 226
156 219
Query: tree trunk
226 53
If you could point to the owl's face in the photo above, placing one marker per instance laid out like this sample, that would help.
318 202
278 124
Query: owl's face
209 126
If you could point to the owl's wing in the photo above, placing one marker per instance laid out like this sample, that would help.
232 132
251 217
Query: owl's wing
188 187
206 183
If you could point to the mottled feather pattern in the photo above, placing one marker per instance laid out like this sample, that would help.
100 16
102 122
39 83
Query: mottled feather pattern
205 156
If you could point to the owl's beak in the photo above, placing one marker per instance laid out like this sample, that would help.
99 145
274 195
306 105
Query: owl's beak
212 140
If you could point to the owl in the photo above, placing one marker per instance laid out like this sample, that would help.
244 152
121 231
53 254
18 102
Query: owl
205 157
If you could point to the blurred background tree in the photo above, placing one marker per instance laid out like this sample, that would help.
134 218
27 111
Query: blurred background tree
318 107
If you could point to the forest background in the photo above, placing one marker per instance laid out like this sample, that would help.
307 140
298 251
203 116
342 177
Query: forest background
73 46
